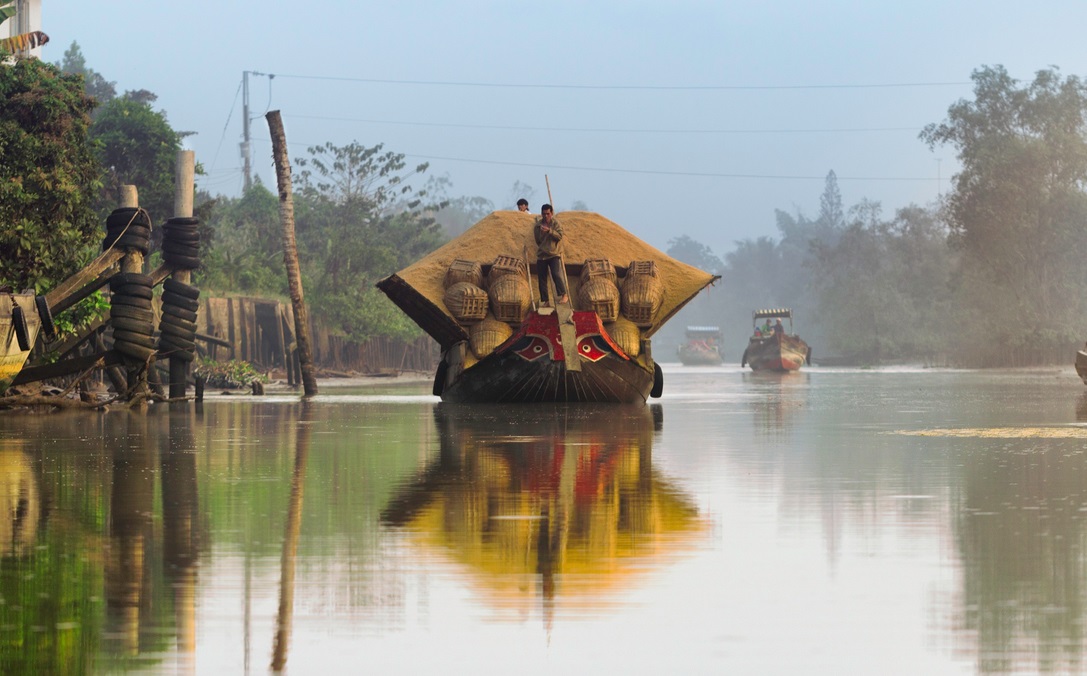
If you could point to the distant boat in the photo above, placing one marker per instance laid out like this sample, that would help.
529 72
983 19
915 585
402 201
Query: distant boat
702 347
19 325
775 349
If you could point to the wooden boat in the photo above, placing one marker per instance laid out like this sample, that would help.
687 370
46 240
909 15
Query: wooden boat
19 326
702 347
500 344
776 349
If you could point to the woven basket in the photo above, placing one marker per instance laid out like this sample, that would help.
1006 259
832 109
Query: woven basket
626 335
510 298
461 270
507 265
599 295
642 293
486 335
598 267
466 302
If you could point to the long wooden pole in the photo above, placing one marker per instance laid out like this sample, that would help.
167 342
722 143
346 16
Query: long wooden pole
290 252
184 179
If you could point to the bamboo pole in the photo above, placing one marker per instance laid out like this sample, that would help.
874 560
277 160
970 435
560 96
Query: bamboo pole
290 252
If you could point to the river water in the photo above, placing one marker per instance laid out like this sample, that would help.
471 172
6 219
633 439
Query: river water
890 521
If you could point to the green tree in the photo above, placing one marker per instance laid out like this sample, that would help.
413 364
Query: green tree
693 252
246 251
137 147
1018 211
49 177
96 86
359 218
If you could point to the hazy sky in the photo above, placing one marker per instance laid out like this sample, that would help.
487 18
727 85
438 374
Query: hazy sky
680 117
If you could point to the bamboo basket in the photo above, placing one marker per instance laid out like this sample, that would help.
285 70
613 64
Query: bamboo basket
461 270
626 335
466 302
642 293
507 265
510 298
485 336
599 295
598 267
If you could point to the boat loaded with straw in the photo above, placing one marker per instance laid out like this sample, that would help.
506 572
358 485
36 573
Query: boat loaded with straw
477 296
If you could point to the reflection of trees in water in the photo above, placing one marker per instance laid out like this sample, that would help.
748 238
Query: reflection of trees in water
1020 528
565 496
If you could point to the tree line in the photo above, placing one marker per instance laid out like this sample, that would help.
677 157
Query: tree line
991 275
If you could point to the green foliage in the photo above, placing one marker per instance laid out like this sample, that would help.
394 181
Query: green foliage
138 147
1018 211
358 220
49 178
82 314
233 373
96 86
246 251
694 253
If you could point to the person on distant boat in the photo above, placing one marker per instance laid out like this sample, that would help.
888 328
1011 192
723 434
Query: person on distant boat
779 330
766 327
522 205
548 234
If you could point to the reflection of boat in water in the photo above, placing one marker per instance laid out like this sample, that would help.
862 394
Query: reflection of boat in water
19 498
563 503
19 325
702 347
475 296
774 349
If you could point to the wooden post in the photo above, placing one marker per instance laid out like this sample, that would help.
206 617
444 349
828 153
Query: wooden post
183 205
133 262
290 252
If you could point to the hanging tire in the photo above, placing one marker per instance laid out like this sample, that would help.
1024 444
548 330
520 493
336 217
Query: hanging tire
49 328
658 381
135 278
133 325
133 291
180 312
188 262
130 301
439 378
181 333
134 351
180 288
22 331
171 298
176 342
180 249
129 312
141 339
177 323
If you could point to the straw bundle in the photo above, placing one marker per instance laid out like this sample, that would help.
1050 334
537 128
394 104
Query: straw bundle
599 295
461 270
507 265
642 293
510 298
466 302
488 334
626 335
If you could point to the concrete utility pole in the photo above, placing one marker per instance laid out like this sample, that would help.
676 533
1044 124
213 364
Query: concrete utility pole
245 131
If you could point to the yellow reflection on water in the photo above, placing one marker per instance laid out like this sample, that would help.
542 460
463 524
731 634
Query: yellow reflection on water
1002 432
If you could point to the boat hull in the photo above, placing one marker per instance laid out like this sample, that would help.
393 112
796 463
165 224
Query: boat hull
531 367
699 357
776 353
1081 365
12 356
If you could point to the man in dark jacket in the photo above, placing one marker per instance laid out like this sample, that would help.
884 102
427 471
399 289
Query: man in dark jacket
548 235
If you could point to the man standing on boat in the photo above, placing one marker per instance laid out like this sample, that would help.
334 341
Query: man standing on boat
548 235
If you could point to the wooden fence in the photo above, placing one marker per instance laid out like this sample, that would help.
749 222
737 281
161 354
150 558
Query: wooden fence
261 332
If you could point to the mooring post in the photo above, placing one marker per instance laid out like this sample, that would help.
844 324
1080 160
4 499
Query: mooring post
183 208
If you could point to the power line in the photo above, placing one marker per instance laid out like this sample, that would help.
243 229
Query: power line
509 85
607 130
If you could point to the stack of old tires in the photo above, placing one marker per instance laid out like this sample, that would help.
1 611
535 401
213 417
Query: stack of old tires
181 242
180 301
128 228
177 328
130 314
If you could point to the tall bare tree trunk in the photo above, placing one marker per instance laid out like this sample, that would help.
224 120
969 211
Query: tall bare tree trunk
290 251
